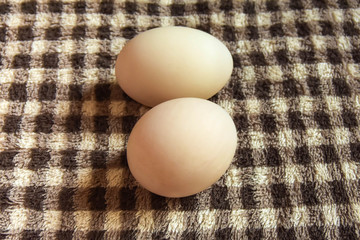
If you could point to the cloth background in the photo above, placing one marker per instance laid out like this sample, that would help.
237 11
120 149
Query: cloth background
294 96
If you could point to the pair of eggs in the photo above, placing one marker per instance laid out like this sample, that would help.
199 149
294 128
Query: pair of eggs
185 143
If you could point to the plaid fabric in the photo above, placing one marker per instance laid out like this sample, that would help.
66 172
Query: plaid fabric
294 96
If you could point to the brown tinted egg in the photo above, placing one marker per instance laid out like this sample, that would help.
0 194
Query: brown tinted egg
181 147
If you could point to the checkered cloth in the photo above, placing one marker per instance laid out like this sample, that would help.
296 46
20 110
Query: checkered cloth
294 95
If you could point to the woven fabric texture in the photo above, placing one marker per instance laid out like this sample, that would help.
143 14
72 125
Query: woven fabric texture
64 122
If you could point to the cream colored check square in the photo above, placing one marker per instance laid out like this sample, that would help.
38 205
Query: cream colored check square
43 20
325 71
262 175
240 20
300 72
146 220
333 103
32 108
68 20
115 177
306 104
355 13
268 45
312 15
15 20
239 219
206 219
52 220
93 20
7 76
293 44
175 221
353 70
268 217
91 76
293 174
116 141
113 221
144 21
337 15
257 140
300 216
233 178
343 43
117 44
319 42
350 170
22 177
331 217
253 106
36 75
92 46
342 136
88 141
274 73
27 140
54 177
313 137
288 17
83 220
18 219
286 139
280 105
68 47
244 46
322 173
263 19
217 18
40 47
4 107
12 49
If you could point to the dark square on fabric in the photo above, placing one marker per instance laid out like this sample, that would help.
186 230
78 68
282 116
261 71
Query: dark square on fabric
153 9
17 92
39 159
2 34
34 197
21 61
47 91
25 33
29 7
53 33
4 8
80 7
7 159
73 123
44 123
55 6
218 198
50 60
12 124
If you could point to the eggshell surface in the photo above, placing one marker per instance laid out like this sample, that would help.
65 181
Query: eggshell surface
181 147
172 62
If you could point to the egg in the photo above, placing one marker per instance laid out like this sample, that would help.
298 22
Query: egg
172 62
181 147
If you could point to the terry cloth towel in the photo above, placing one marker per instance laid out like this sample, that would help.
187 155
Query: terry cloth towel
64 122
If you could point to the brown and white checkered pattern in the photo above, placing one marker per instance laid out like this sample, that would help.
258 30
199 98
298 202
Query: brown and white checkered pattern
64 122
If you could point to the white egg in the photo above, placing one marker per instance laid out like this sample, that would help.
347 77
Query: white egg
172 62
